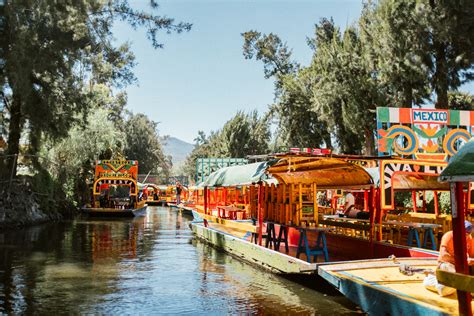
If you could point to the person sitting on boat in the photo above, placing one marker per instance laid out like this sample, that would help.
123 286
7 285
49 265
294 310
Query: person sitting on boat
446 259
446 248
350 209
354 212
349 201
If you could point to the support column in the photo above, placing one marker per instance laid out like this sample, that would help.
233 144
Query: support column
206 200
259 212
413 197
459 240
436 203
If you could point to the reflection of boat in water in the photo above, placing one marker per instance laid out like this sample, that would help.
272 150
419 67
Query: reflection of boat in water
116 239
115 190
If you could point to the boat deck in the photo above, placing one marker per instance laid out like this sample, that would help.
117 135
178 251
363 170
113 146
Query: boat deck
237 241
379 287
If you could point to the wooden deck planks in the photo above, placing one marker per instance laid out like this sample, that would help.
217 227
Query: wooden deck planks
383 279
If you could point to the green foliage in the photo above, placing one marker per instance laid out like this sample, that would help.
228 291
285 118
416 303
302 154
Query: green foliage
404 199
460 101
243 135
71 161
58 67
49 54
143 144
397 54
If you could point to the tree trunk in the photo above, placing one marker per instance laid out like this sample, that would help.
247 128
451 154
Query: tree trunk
440 79
328 141
369 142
14 133
407 96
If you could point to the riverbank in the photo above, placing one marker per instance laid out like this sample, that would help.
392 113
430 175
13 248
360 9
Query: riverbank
20 206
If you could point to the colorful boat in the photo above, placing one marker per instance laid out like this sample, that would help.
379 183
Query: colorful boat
155 194
115 190
388 286
460 174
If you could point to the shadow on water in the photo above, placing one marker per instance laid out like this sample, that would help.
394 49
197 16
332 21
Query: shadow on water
144 265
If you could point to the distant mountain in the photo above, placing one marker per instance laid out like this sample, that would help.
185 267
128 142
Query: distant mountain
177 149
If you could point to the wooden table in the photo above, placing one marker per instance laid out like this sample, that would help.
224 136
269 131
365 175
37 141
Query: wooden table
413 232
413 229
229 212
272 239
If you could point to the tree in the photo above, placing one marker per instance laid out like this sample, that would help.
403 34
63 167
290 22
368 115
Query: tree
143 144
460 101
345 92
297 124
450 25
242 135
71 160
396 48
48 51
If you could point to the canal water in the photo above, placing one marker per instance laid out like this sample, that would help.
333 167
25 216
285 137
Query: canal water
147 265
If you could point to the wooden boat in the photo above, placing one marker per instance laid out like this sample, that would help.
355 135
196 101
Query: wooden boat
379 287
460 174
155 194
115 190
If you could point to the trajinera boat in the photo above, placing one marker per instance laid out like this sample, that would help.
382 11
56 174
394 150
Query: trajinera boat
115 190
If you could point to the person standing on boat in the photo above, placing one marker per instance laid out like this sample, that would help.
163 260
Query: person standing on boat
179 188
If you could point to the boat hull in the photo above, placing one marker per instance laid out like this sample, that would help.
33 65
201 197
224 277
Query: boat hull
115 212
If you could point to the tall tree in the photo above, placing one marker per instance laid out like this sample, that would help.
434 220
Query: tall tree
47 50
143 144
451 33
396 48
298 125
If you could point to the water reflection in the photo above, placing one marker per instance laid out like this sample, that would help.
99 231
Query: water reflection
146 265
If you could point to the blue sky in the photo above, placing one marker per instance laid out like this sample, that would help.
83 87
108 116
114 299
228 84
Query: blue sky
201 79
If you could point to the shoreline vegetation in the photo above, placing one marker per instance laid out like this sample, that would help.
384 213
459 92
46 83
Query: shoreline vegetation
63 99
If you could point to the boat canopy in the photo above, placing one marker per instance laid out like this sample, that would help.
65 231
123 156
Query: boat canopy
418 182
461 165
237 175
326 172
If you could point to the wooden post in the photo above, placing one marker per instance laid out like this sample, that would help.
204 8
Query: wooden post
283 202
372 200
413 197
424 201
366 200
459 240
206 200
436 203
299 211
291 199
259 213
315 205
378 213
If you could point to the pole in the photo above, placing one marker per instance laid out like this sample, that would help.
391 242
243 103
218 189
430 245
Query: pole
366 200
259 212
205 200
371 205
436 203
459 240
413 196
